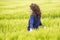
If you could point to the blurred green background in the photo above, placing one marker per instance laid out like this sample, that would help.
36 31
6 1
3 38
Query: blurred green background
14 16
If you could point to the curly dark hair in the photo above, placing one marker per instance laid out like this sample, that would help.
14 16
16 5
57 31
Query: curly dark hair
36 10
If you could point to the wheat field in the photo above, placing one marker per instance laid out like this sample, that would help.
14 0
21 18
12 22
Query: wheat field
14 17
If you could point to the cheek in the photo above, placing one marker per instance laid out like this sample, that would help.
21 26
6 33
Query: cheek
30 11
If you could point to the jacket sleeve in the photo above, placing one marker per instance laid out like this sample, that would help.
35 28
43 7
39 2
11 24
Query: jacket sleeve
31 21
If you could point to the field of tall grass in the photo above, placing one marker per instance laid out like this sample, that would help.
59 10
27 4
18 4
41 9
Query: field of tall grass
14 17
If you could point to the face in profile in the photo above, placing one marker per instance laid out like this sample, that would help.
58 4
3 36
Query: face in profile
30 10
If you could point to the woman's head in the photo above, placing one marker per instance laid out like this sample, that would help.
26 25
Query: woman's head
36 10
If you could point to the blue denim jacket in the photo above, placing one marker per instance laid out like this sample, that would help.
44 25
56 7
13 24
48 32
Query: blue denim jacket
34 22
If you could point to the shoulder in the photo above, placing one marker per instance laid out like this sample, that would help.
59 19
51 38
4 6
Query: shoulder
32 16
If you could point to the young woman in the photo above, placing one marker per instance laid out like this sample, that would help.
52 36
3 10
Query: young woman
35 17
